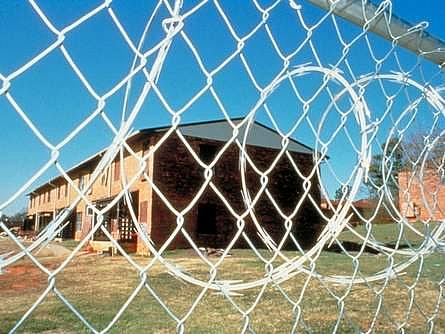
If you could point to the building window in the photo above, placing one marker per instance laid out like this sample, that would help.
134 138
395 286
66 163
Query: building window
81 182
78 221
49 196
58 192
206 218
90 211
104 178
145 149
66 189
90 190
117 170
207 152
416 210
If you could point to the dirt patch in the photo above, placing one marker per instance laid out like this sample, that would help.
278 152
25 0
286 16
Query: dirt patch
23 278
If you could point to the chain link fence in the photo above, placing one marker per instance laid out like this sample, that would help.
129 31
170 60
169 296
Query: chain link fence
324 199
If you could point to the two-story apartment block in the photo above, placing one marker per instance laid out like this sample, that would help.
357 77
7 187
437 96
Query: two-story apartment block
178 179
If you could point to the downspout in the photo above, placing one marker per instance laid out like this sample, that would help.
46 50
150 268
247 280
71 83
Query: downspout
54 201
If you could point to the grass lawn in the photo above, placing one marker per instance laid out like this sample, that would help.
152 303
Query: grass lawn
98 286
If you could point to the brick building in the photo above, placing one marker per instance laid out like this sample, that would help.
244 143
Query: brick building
422 197
179 177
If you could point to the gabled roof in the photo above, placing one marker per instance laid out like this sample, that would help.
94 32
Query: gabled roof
219 130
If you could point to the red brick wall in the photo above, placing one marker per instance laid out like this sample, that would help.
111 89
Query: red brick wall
179 178
421 198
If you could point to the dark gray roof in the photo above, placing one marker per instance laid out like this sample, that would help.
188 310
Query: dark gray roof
220 130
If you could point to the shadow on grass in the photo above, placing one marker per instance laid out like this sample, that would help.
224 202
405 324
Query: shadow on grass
352 246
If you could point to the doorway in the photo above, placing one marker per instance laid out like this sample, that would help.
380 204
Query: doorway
206 219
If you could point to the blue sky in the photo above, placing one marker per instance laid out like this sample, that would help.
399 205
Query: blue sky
54 99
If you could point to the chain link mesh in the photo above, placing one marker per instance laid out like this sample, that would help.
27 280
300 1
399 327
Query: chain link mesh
371 110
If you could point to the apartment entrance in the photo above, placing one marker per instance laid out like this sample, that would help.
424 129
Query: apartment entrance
70 223
118 223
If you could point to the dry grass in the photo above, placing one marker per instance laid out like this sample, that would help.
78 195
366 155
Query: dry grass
99 286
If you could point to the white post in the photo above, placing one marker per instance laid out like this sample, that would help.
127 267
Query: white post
415 38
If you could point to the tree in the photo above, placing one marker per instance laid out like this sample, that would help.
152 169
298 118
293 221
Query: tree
420 148
385 167
428 147
342 190
16 219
